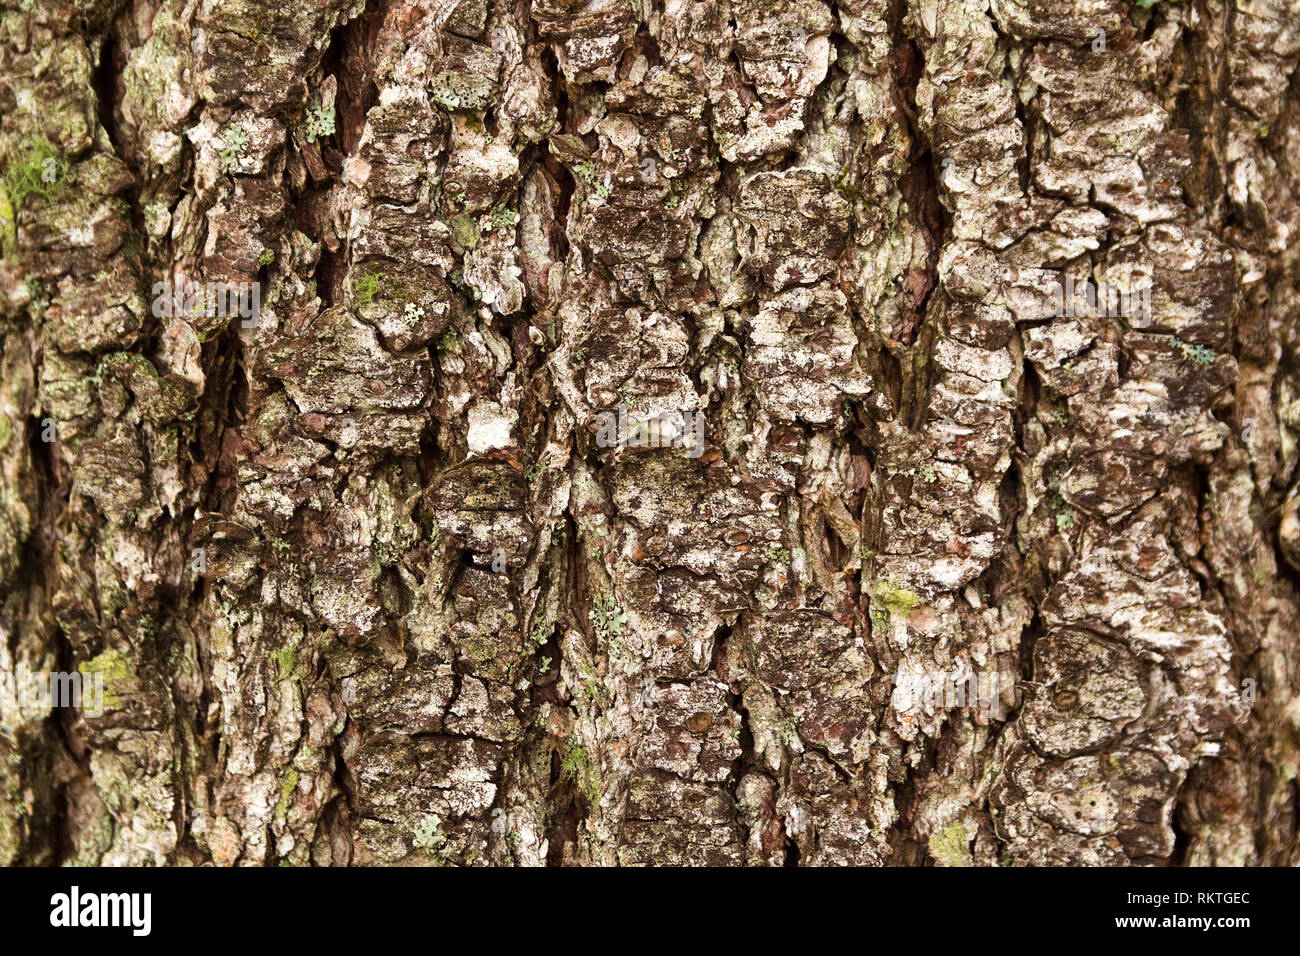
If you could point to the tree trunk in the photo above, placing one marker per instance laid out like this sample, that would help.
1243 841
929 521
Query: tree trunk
740 432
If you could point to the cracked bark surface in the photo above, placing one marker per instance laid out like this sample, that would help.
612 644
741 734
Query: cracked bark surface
438 621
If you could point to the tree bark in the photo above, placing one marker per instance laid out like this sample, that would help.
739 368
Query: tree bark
381 576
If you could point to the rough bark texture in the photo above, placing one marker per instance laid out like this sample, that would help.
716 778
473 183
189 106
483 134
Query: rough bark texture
435 620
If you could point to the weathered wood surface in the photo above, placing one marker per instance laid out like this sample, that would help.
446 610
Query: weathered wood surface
366 582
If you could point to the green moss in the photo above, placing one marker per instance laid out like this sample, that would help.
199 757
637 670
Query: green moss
464 233
950 846
450 339
38 171
575 759
287 786
118 671
6 431
366 287
8 226
843 188
286 658
895 598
